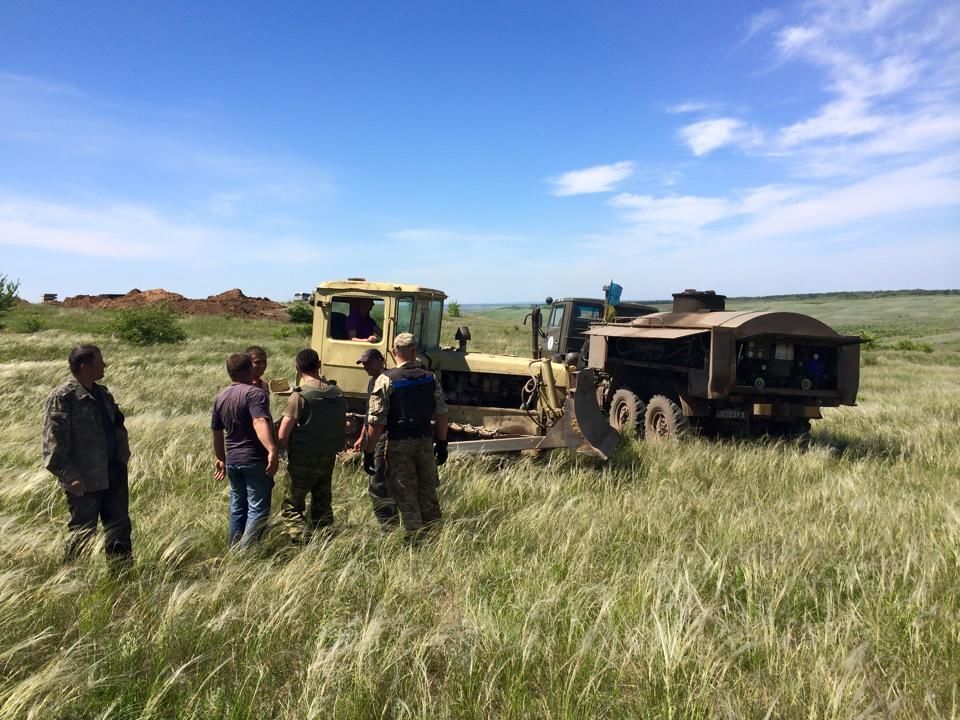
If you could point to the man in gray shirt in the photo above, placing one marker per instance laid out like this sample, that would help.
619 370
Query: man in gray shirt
245 450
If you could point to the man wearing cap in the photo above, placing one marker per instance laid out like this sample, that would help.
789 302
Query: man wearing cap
384 506
313 431
404 401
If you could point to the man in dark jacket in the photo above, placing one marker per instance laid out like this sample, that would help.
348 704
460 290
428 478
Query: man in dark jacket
85 445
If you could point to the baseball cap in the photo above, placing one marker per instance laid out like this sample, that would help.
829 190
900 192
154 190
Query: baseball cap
368 355
404 340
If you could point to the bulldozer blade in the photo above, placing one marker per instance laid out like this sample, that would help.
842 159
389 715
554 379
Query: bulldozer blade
583 427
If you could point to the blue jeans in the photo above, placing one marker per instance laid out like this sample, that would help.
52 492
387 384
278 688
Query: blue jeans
250 494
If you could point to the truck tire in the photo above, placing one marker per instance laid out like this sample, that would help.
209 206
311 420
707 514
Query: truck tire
626 412
664 419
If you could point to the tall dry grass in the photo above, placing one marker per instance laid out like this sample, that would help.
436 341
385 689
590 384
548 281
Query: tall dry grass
699 579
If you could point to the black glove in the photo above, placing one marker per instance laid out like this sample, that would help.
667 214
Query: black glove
368 463
440 451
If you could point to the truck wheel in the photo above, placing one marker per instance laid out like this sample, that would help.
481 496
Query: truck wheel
626 412
664 419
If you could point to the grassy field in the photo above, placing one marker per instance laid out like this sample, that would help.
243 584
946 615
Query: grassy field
704 579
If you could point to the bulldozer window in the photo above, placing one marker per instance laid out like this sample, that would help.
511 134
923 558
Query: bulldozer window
430 339
355 317
421 317
405 307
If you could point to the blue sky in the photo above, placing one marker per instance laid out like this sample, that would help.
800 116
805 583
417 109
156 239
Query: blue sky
500 151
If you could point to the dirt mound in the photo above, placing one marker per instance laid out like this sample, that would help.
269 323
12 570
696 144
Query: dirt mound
231 295
153 296
231 302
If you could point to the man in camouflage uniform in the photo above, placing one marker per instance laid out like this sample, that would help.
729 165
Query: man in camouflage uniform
404 401
384 506
313 431
85 445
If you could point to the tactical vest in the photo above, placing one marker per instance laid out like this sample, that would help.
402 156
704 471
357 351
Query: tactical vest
411 403
321 431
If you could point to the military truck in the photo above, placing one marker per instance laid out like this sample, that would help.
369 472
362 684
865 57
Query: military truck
701 366
497 402
570 318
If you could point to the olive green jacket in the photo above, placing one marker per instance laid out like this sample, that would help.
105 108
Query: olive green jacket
74 441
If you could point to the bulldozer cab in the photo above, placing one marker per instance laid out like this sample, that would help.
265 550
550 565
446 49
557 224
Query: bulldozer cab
352 316
569 318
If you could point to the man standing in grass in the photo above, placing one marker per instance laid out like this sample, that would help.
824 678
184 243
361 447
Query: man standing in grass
404 402
313 431
245 451
384 506
85 445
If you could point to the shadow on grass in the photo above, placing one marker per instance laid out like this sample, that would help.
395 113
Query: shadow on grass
871 447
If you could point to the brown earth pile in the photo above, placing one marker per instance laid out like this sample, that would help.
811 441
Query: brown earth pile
231 302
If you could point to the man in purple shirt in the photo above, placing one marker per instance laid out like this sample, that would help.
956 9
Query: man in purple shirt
245 450
360 326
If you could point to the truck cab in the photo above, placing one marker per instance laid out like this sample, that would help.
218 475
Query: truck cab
569 318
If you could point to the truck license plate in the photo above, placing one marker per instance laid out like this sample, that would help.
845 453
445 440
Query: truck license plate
730 414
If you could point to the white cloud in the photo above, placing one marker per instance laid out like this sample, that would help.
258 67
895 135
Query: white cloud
126 231
779 211
891 74
708 135
914 136
881 62
672 214
761 199
690 106
930 185
596 179
793 39
183 153
466 239
679 215
846 117
759 23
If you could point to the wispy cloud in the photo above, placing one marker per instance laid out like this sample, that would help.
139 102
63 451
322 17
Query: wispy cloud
128 231
880 62
691 106
708 135
890 70
596 179
759 23
179 153
932 185
781 211
467 239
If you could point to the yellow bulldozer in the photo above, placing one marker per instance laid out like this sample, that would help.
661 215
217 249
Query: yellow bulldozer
497 403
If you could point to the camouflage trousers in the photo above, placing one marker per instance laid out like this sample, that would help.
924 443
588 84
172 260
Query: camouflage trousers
384 506
314 479
412 480
112 507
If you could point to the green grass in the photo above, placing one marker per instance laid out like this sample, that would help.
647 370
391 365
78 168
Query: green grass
693 580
